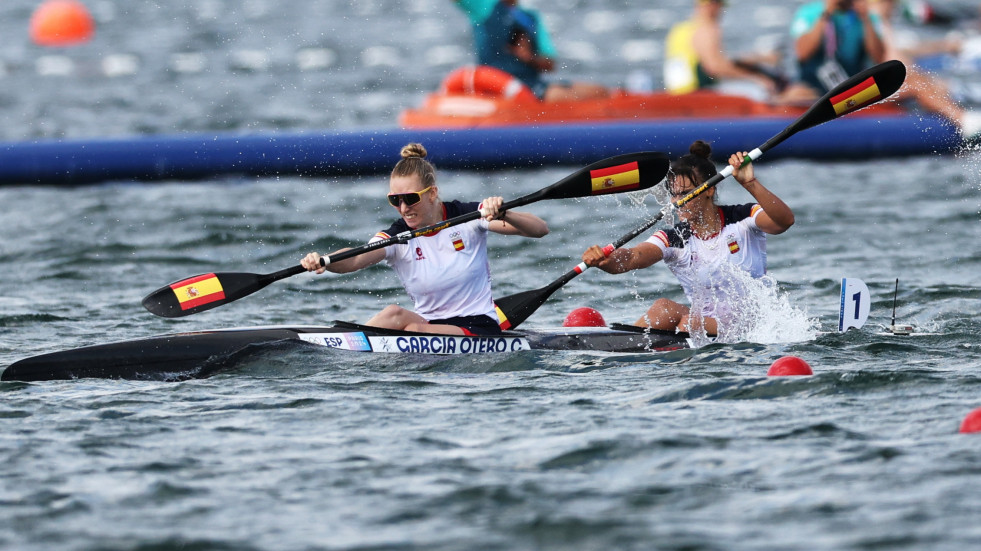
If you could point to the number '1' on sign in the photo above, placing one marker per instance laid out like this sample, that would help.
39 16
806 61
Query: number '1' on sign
855 304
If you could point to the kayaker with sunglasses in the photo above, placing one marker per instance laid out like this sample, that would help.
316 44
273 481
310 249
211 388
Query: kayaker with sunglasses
446 274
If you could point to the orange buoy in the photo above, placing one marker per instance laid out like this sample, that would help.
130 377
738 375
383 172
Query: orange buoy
584 317
61 23
972 423
789 365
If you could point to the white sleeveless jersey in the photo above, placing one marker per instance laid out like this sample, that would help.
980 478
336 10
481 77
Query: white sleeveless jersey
706 268
445 274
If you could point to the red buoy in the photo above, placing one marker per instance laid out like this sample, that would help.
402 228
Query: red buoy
789 365
61 23
584 317
972 423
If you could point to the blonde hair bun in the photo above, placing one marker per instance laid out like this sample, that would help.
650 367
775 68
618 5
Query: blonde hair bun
413 150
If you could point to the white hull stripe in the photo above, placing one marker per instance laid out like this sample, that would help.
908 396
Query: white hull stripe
421 344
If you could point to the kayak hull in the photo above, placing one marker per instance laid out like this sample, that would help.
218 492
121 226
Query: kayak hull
182 356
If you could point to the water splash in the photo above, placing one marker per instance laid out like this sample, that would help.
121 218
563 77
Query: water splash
777 320
663 197
637 198
749 309
970 157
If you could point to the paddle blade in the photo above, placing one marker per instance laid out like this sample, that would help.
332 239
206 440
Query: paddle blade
870 86
202 292
513 310
628 172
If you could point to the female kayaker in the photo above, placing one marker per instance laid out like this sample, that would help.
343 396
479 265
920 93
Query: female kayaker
707 249
446 274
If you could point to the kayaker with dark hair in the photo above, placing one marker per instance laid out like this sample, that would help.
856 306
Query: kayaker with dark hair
707 249
446 274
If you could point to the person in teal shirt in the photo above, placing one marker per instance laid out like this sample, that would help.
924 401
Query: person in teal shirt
834 39
514 39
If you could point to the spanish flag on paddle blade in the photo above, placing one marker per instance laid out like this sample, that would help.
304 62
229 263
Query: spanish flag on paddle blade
615 178
856 97
198 290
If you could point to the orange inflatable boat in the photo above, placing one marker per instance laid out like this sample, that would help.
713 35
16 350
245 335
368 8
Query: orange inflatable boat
481 96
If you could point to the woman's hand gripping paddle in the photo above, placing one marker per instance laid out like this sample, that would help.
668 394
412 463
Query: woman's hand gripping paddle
629 172
870 86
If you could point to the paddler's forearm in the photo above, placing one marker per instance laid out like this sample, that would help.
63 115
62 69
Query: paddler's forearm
522 223
775 208
345 266
620 261
312 261
358 262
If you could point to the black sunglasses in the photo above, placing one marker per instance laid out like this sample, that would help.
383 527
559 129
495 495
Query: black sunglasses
409 198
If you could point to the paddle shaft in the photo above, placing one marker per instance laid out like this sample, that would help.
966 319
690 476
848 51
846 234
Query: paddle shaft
627 172
263 280
851 95
650 167
406 236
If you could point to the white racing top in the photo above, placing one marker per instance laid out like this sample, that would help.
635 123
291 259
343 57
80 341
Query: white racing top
706 268
446 274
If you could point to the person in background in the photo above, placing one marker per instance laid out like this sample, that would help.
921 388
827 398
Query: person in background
834 39
905 39
931 93
514 39
710 250
446 274
695 59
960 13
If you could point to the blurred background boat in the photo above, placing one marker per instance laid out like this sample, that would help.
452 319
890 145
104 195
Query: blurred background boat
218 88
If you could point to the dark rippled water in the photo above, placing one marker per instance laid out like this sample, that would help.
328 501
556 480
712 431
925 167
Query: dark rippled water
292 448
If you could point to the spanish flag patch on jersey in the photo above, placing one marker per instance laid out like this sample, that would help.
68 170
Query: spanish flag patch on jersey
733 247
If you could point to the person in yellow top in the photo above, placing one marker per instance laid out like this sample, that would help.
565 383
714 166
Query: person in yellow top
695 59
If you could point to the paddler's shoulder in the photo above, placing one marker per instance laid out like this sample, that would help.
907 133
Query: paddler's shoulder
456 208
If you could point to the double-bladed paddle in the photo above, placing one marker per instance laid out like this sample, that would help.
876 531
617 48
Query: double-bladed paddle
628 172
864 89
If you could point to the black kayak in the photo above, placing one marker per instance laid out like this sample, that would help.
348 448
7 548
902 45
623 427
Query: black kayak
181 356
